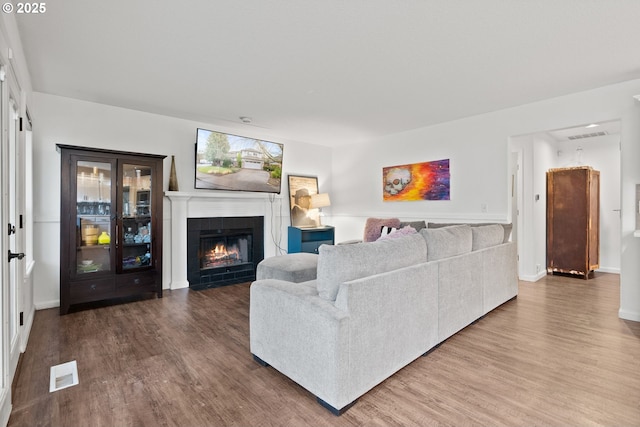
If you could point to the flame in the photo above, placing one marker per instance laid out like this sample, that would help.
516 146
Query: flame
220 255
221 251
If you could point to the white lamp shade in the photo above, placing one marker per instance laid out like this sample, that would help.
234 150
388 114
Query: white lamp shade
319 201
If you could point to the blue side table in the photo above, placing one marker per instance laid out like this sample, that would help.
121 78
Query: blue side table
310 239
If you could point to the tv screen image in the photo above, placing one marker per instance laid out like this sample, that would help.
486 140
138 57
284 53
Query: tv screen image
237 163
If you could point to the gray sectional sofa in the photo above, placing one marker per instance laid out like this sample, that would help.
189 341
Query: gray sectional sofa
376 307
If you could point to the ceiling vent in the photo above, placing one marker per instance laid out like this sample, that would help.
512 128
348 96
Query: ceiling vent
587 135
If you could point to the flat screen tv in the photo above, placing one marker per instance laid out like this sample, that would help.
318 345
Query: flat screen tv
237 163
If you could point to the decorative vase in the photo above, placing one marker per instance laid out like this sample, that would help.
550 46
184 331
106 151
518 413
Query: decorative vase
173 177
104 238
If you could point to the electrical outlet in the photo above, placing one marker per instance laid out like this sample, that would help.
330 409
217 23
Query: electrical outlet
484 207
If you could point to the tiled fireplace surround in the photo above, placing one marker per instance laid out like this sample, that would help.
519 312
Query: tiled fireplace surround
204 204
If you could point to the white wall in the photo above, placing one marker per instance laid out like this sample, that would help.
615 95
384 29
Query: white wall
478 164
528 253
543 160
479 148
536 152
73 122
630 257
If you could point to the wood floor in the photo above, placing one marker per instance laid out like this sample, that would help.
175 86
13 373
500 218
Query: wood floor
558 355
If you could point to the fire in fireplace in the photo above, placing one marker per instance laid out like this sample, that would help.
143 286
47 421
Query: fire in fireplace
223 251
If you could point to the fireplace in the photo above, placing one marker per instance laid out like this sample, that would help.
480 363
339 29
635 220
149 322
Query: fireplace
224 250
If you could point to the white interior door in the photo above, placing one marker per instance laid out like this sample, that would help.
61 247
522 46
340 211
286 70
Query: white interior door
14 229
12 232
4 245
515 172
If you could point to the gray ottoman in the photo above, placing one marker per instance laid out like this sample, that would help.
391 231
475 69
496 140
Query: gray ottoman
298 267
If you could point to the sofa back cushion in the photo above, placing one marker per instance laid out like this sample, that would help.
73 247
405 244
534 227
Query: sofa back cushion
342 263
446 242
507 227
418 225
486 236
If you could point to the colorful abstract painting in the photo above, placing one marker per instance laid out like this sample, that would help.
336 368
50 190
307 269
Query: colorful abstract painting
417 181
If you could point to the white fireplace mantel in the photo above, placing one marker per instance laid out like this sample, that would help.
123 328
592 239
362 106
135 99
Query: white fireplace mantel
209 194
202 204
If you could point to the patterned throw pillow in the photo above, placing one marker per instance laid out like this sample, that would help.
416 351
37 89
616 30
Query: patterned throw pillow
397 233
373 227
387 230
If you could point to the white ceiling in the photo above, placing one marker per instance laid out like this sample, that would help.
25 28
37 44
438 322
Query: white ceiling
591 130
333 71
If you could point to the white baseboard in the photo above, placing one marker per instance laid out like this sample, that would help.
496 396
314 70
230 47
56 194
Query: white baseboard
533 278
629 315
47 304
543 273
609 270
178 284
26 332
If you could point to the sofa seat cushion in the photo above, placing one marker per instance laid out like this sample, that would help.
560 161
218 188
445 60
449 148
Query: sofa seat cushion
342 263
487 236
298 267
447 242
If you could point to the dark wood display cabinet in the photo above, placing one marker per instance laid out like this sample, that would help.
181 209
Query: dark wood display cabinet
573 217
110 225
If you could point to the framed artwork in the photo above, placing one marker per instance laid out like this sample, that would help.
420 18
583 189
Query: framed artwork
300 190
417 181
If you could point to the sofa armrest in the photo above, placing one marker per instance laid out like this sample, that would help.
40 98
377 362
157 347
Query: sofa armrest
300 335
499 275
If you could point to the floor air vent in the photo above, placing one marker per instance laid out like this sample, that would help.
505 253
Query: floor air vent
63 376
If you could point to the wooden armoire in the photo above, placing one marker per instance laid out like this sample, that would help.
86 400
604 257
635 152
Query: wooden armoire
573 218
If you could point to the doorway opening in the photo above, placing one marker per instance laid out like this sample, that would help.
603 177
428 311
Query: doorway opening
531 156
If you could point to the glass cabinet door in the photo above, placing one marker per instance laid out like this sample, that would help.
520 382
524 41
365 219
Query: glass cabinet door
136 216
93 217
